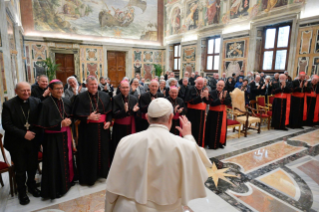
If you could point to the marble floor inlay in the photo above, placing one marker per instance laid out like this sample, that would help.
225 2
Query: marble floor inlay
262 156
261 201
281 181
311 168
217 174
311 138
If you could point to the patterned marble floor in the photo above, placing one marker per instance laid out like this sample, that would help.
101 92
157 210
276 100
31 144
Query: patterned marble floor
273 171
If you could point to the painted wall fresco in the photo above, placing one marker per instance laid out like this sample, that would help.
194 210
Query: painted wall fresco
188 59
144 60
4 83
128 19
307 52
182 16
92 62
235 55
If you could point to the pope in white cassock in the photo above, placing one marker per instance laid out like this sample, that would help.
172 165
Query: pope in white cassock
154 170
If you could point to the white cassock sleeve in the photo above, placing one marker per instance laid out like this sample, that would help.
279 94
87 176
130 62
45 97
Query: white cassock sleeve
201 151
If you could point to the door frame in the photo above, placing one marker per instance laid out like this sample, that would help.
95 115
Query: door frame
75 52
128 59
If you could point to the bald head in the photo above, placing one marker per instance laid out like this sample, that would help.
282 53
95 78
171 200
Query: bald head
125 88
282 77
199 83
23 90
220 85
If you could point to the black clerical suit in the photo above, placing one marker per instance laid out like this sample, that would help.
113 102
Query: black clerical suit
24 153
121 129
183 91
38 92
144 101
213 83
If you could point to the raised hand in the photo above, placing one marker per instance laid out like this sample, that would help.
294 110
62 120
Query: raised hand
180 110
186 128
136 108
46 92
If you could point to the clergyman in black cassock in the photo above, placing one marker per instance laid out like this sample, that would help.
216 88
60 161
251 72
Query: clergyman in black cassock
19 117
144 101
299 87
197 100
41 91
125 107
281 103
182 93
178 107
58 168
311 115
216 125
94 109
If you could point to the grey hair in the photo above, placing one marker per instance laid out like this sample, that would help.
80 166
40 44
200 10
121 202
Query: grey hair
42 75
162 81
171 80
135 79
267 77
185 78
90 78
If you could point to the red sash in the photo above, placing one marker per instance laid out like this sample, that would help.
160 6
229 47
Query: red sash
68 130
288 97
199 106
316 116
101 120
221 108
316 112
129 120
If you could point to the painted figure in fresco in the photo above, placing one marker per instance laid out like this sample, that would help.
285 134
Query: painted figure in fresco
270 4
148 74
235 6
213 11
176 20
191 19
303 64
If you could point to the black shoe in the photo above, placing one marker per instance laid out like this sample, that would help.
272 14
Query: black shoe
285 129
24 199
34 191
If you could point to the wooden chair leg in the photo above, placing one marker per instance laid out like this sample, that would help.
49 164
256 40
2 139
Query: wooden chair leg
269 123
239 131
10 182
259 124
234 129
1 181
14 180
246 128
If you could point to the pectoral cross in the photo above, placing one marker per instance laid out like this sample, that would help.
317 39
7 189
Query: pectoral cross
27 125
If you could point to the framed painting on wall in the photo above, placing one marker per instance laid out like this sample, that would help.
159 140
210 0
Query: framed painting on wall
189 54
231 67
317 43
4 83
191 20
305 42
11 35
303 63
235 49
148 56
315 66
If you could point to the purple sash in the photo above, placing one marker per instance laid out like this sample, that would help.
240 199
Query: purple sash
68 130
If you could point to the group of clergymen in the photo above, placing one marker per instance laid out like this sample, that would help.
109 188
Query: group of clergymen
48 118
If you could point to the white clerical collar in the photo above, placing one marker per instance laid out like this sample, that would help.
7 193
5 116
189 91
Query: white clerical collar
159 126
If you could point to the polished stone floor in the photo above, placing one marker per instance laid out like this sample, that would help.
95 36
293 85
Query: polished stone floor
272 171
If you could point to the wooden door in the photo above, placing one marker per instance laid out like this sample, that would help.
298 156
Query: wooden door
116 67
66 67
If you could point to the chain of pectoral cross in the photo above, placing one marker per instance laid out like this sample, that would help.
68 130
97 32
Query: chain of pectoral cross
27 125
